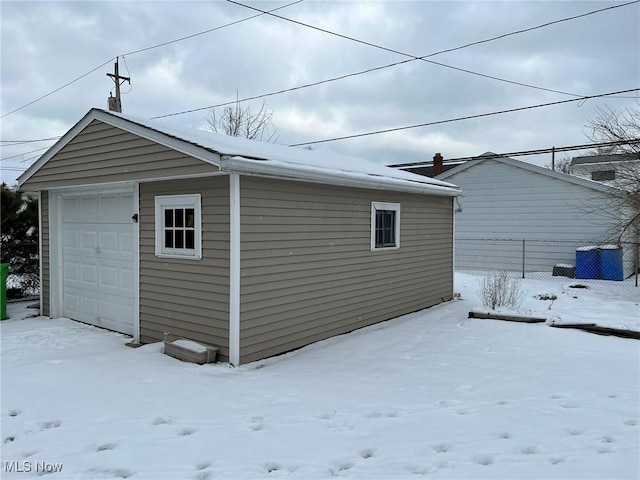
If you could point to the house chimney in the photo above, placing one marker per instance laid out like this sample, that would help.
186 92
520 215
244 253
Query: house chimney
438 166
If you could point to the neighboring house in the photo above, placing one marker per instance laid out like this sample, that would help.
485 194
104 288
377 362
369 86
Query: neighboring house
610 169
253 247
510 206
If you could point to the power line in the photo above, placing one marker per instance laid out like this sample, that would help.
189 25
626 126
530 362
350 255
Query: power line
523 153
212 29
424 58
411 59
142 50
23 153
11 143
481 115
56 90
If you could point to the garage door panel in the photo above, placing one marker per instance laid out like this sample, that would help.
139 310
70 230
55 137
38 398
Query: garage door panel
90 275
98 260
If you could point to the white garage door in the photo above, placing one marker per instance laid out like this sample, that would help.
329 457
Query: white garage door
98 258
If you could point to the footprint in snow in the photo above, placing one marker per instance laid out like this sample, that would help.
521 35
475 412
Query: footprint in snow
575 431
203 465
203 475
162 421
504 435
441 447
608 439
187 431
483 459
257 423
555 396
9 439
530 450
14 413
50 425
613 395
272 467
106 446
111 472
632 422
366 453
340 467
556 460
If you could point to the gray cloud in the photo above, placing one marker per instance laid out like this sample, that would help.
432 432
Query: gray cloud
46 44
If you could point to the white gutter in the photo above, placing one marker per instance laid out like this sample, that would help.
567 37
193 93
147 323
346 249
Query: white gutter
299 172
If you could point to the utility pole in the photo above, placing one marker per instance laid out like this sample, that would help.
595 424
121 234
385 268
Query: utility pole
115 104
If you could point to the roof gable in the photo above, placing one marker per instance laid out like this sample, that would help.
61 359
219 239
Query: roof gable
232 154
525 166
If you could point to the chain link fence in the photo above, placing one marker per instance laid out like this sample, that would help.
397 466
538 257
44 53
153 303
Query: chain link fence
24 269
549 258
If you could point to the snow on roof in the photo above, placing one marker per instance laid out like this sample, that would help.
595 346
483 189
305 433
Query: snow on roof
250 156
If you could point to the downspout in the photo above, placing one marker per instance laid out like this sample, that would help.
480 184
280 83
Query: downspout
40 251
234 269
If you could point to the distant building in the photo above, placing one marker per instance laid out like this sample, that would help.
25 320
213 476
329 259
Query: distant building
605 168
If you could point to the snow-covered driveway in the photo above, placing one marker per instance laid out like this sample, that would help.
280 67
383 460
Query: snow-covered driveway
428 395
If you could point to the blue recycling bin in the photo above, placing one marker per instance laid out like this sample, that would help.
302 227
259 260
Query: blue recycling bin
611 263
588 263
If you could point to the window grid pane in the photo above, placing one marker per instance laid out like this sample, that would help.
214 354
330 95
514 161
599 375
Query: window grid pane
179 228
385 228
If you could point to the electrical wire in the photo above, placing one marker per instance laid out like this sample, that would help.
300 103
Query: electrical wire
143 50
424 58
56 90
11 143
212 29
23 153
469 117
395 64
524 153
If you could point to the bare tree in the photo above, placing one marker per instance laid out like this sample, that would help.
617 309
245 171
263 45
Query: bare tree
622 126
563 165
237 121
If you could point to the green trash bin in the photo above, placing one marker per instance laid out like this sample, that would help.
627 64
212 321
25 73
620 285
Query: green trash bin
4 273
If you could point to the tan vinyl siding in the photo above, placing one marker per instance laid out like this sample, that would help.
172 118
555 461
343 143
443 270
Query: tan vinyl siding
189 298
101 153
45 287
308 271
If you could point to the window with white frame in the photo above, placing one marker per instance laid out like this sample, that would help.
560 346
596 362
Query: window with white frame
385 226
178 226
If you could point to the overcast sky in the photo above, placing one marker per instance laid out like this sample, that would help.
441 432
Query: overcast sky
45 45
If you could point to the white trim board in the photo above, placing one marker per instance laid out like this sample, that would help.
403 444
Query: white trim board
234 269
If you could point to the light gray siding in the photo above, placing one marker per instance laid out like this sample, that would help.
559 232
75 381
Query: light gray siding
45 287
307 271
504 205
101 153
187 297
505 201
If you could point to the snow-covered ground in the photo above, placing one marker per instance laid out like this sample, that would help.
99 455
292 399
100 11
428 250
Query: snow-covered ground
429 395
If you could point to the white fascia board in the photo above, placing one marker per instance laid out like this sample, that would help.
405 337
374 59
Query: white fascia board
297 172
128 126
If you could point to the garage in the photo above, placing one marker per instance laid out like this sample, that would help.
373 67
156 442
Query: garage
98 259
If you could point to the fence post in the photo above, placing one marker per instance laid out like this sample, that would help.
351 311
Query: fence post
523 253
637 259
